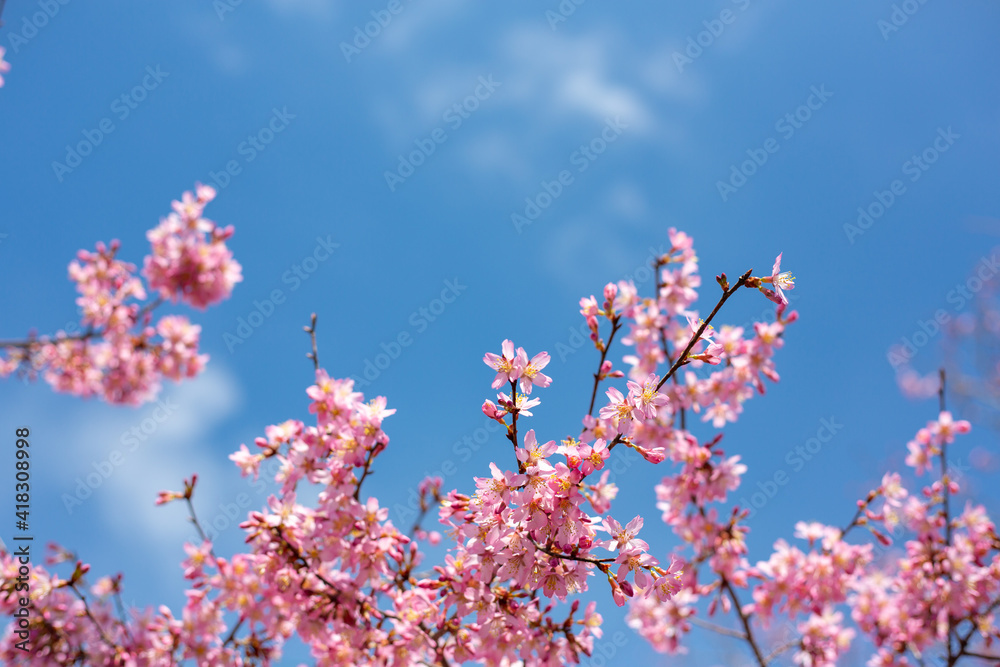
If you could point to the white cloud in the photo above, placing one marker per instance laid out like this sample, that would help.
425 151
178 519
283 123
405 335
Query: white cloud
159 444
560 75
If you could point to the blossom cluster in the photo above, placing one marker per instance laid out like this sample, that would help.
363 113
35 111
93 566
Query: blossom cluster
937 594
119 353
524 541
344 579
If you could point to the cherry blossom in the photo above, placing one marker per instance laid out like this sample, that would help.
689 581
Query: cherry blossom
119 353
910 573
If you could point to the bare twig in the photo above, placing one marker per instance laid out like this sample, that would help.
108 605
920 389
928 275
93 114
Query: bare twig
311 330
615 326
704 325
744 619
729 632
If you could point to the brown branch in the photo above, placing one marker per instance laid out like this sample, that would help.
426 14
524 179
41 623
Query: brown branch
86 608
664 343
946 508
582 559
781 649
34 341
963 642
29 343
615 326
367 471
193 518
744 619
232 634
704 325
982 656
121 611
729 632
512 429
311 330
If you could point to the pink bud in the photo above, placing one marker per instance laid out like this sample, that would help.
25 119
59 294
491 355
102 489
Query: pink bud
490 410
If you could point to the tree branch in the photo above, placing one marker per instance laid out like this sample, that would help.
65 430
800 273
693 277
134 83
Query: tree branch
739 609
704 325
311 330
615 326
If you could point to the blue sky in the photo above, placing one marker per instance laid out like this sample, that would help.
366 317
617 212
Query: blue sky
836 97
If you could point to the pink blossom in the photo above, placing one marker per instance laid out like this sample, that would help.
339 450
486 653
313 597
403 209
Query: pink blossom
593 458
190 260
780 282
625 537
506 365
619 411
531 374
646 397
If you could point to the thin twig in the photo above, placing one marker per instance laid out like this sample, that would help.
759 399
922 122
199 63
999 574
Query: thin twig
615 326
34 341
121 610
367 471
664 343
582 559
311 330
86 608
729 632
704 325
982 656
946 507
232 634
739 609
781 649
